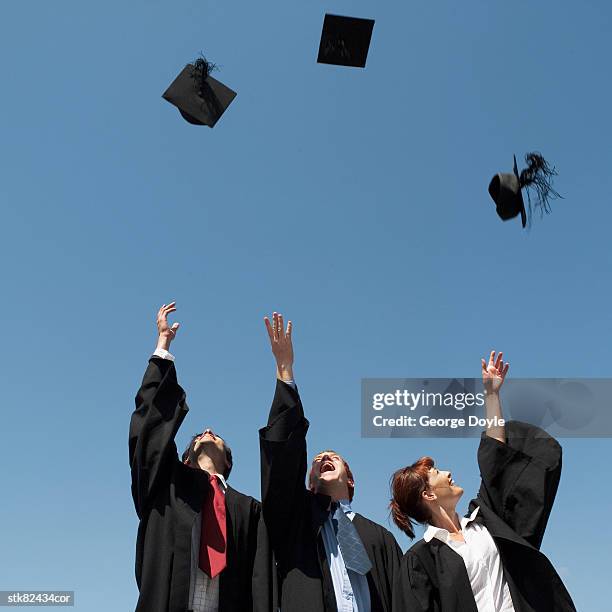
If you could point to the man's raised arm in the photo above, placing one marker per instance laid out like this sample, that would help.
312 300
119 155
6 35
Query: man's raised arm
160 410
283 442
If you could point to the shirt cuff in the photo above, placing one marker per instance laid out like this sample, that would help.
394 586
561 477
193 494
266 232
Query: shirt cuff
163 353
291 383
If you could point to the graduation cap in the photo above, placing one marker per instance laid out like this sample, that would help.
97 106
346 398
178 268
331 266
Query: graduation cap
200 98
345 41
506 188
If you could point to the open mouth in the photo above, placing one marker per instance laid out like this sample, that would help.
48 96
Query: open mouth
326 466
208 432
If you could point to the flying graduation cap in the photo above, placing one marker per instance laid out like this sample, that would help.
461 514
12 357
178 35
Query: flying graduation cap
200 98
345 41
506 188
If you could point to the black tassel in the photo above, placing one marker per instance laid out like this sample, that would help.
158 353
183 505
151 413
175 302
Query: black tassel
200 71
538 175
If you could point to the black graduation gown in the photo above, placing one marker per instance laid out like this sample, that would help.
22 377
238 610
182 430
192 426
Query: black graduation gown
168 496
295 516
519 482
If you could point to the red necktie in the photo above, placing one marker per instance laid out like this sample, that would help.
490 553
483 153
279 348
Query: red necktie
213 537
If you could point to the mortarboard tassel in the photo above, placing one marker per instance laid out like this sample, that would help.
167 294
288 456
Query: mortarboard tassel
200 71
538 175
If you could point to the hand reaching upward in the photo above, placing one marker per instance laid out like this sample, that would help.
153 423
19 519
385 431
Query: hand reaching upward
166 332
494 372
282 347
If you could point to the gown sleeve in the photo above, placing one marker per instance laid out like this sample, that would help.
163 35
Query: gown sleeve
160 410
519 479
283 466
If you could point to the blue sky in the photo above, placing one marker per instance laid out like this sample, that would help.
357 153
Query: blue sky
353 201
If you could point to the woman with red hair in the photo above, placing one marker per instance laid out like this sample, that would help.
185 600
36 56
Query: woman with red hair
489 560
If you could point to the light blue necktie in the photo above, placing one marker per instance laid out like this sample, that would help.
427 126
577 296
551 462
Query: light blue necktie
352 549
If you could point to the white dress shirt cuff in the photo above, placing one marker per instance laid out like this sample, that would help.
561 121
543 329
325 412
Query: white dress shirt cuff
163 353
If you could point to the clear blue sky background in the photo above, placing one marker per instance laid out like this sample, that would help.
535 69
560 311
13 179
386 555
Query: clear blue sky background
354 201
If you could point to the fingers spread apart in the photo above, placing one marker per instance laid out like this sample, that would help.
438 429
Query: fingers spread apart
276 329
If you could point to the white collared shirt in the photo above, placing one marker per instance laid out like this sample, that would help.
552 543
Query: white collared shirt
482 562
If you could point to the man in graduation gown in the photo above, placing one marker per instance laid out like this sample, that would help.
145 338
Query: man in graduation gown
490 560
201 545
329 558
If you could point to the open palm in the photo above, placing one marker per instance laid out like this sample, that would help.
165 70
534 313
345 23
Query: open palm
494 372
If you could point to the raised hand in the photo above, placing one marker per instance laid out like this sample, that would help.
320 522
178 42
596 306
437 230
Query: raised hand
494 372
166 332
282 347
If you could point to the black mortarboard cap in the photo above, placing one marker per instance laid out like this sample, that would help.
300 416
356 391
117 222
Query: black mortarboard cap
200 98
345 41
506 188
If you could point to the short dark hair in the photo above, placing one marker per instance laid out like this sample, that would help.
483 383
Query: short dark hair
228 455
351 488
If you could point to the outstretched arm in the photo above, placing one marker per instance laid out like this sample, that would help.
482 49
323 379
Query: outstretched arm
493 376
283 445
282 346
166 333
160 410
520 464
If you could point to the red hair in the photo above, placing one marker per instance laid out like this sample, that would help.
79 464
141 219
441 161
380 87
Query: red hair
407 487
